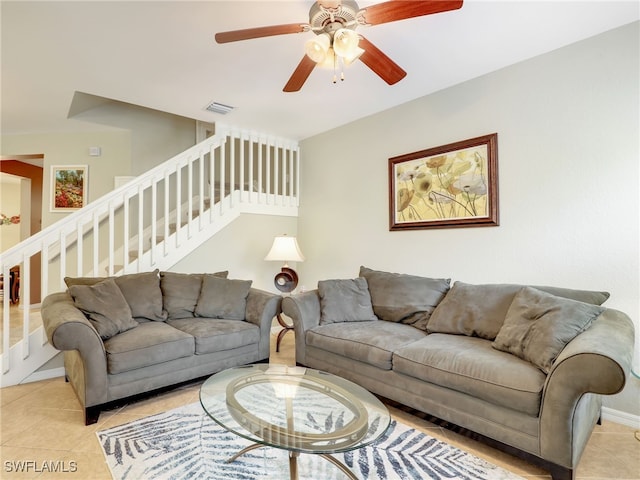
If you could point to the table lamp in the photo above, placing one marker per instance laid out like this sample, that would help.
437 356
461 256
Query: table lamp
285 249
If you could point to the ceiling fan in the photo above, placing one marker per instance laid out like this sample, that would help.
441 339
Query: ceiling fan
334 22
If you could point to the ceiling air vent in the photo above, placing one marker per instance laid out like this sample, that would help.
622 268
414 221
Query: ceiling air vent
220 108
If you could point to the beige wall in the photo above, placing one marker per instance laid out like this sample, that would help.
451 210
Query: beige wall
240 248
155 136
133 140
568 149
73 149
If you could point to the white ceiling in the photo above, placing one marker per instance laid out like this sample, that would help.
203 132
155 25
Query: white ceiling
162 55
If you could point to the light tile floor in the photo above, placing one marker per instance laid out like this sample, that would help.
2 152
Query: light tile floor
42 422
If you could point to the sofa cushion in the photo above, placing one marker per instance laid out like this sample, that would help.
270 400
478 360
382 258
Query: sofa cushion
149 344
141 290
105 306
180 292
480 310
223 298
539 325
143 294
470 365
371 342
409 299
217 335
345 300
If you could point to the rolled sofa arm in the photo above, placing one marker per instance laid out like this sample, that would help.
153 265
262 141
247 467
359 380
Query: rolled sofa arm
68 329
596 361
262 306
304 311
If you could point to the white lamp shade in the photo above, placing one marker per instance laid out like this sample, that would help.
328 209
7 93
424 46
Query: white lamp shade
345 42
329 60
285 249
348 60
317 48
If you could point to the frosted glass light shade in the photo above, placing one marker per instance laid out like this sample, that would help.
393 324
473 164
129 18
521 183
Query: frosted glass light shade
348 60
345 42
329 60
285 249
317 48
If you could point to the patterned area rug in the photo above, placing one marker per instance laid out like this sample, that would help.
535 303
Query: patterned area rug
186 444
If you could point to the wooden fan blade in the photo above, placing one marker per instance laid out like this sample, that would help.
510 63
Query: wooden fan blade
392 11
383 66
300 75
259 32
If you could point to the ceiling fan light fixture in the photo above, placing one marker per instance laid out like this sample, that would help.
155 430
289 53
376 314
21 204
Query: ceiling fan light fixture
355 55
317 48
329 60
345 42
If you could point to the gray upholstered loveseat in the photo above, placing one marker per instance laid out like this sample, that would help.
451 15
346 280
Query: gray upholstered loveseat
129 335
523 367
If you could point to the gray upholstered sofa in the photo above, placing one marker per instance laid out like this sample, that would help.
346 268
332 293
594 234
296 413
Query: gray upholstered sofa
129 335
523 367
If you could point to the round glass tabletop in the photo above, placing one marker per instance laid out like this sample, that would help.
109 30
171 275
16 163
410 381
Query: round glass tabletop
294 408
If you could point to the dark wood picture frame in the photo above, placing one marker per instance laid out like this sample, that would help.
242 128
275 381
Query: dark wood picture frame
454 185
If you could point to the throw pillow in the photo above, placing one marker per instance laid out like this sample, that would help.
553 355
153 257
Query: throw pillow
223 298
180 292
143 294
105 306
345 301
539 325
473 310
480 310
402 298
141 290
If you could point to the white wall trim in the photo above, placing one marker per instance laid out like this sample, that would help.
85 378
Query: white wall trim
623 418
44 375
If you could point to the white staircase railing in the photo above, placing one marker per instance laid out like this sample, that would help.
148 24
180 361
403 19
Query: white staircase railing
151 222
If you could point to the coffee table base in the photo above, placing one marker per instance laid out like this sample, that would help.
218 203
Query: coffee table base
293 461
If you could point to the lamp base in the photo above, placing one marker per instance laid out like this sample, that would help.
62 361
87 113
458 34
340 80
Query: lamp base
287 280
285 328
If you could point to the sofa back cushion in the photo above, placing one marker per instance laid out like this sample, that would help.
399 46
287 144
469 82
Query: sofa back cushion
223 298
105 306
402 298
143 294
345 300
181 291
538 326
480 310
141 290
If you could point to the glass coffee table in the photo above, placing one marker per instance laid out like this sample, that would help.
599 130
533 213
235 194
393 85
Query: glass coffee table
296 409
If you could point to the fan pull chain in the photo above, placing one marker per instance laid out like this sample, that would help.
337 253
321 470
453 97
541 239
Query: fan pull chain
335 68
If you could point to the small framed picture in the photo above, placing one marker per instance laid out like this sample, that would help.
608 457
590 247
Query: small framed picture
68 187
453 185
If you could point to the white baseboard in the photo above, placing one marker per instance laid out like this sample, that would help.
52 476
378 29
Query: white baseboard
44 375
623 418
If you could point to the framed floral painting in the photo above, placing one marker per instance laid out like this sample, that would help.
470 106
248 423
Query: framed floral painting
453 185
68 187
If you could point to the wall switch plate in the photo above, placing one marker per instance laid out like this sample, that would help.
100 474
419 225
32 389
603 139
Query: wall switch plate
95 151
